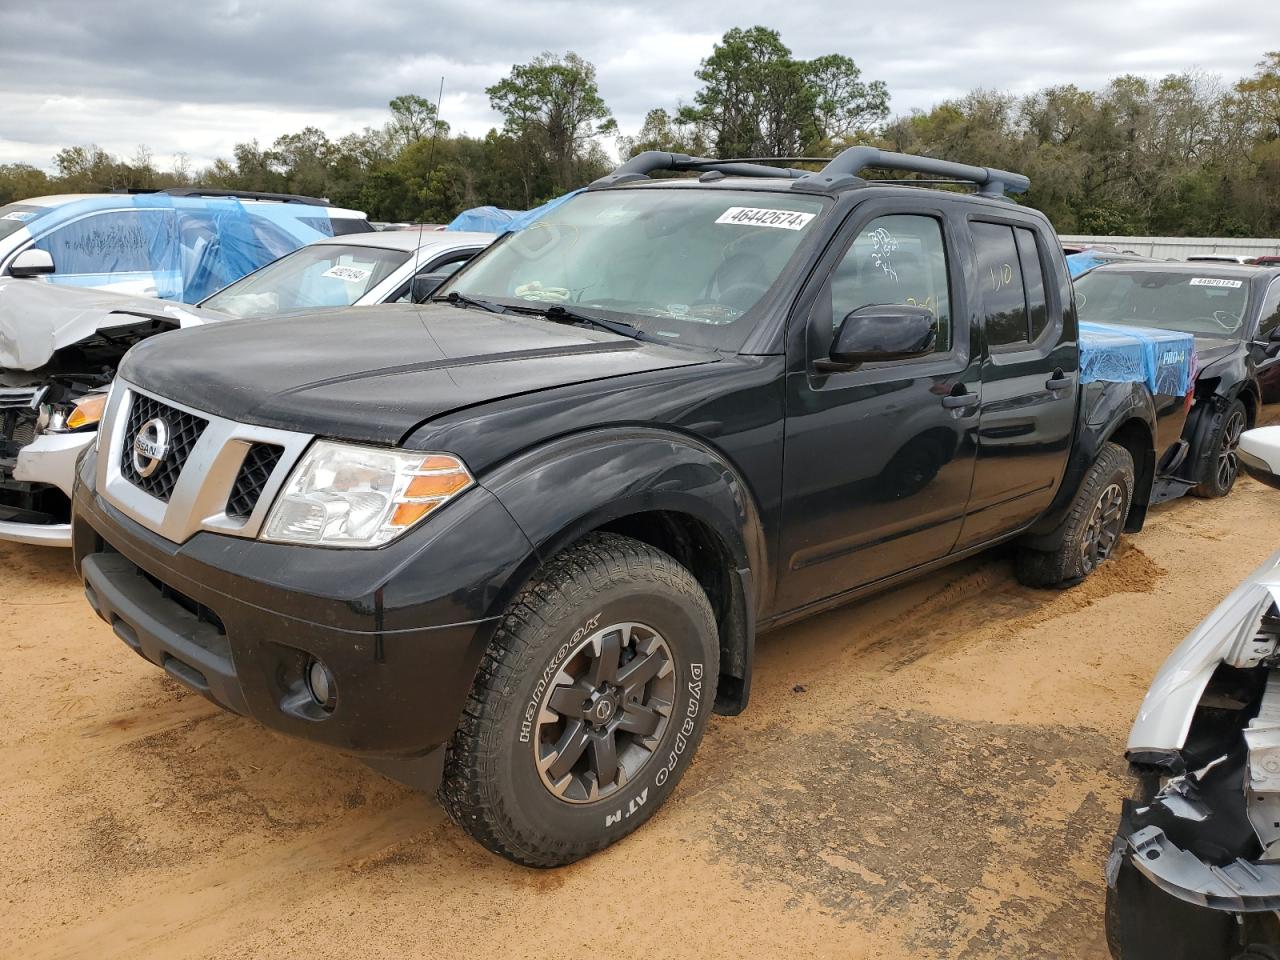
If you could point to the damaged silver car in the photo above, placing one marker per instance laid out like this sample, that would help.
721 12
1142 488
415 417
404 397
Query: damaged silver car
1195 868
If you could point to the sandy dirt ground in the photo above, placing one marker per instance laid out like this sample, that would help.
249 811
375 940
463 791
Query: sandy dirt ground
932 773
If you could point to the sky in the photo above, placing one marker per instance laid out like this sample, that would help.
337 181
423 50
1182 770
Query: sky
197 78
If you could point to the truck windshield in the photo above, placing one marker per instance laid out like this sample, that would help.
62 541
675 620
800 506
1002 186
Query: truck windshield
313 277
1201 302
685 265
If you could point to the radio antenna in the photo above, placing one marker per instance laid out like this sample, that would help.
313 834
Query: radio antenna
431 166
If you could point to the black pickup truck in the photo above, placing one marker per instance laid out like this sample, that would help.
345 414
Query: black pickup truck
518 543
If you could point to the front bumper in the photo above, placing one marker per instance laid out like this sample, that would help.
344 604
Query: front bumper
49 459
402 628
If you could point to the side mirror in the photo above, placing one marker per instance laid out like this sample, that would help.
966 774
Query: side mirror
1259 454
31 263
424 285
882 332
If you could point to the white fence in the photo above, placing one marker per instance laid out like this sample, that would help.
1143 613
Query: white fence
1179 248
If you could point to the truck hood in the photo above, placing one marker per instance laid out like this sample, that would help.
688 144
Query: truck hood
38 319
375 373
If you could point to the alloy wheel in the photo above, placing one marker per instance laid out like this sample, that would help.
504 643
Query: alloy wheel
1106 522
603 716
1228 453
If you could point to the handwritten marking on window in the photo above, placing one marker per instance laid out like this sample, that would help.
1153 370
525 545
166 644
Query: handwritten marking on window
1001 278
883 244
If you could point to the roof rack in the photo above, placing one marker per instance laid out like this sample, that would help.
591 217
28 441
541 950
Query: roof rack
840 173
235 194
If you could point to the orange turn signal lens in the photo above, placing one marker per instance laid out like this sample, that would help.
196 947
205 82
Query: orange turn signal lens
88 411
437 485
407 514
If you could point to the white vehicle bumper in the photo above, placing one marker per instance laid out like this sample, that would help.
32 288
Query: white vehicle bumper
50 458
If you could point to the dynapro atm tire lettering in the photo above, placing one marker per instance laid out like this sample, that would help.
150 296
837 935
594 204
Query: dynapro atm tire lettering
681 744
686 728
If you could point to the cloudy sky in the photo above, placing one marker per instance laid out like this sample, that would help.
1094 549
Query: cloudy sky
197 79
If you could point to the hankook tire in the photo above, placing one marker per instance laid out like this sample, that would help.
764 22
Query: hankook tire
590 702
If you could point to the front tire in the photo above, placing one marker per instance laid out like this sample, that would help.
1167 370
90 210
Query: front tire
1218 463
590 702
1092 528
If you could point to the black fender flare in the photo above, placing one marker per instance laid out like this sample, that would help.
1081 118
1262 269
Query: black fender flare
1112 411
560 491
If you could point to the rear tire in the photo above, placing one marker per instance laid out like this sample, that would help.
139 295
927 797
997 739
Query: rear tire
590 702
1092 528
1217 465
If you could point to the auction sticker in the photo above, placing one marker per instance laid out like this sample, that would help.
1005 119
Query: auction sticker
764 217
19 215
1214 282
349 274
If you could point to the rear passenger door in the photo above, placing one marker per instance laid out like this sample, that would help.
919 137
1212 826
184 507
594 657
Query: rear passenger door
878 459
1030 372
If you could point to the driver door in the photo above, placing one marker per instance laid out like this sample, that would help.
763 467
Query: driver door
879 459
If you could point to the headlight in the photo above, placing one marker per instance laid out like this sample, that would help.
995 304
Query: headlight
344 495
68 418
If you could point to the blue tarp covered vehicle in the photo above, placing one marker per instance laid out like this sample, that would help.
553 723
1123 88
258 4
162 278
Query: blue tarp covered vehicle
499 221
175 245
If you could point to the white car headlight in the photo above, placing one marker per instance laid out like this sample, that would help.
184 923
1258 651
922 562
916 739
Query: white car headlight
346 495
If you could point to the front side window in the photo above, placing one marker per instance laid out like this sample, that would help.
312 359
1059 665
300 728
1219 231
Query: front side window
314 277
1188 301
898 259
117 241
686 265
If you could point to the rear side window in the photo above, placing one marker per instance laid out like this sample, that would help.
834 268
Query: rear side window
119 241
1270 312
1012 281
1033 279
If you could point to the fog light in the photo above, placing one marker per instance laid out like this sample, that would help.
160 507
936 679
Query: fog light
323 687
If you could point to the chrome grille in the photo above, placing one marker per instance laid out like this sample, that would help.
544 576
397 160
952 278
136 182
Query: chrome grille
259 463
232 470
184 430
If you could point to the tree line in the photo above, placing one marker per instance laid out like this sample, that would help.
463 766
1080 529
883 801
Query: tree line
1190 154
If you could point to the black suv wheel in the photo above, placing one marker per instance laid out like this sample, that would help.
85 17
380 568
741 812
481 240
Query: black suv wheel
590 702
1092 528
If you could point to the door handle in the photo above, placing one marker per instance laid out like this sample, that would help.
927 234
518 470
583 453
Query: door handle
1058 381
957 401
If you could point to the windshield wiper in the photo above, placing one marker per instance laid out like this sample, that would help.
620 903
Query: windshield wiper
559 313
462 300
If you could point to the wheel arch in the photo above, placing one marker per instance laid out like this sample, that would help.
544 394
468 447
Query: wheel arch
663 489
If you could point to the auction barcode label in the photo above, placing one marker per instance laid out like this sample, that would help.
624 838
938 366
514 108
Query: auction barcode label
347 274
1214 282
763 217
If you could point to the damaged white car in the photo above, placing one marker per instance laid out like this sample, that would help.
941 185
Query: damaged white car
60 347
1195 868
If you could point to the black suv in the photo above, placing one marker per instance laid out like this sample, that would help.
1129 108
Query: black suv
518 543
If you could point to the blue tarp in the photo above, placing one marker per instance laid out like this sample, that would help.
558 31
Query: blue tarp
1162 359
1081 263
182 248
497 220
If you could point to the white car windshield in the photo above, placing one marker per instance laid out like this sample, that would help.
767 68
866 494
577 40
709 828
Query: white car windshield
313 277
1202 302
683 265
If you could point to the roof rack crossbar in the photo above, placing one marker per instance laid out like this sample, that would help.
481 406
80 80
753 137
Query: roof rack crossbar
243 195
990 182
642 164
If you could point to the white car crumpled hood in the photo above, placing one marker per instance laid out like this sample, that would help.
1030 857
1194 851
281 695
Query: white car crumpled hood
38 318
1225 636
